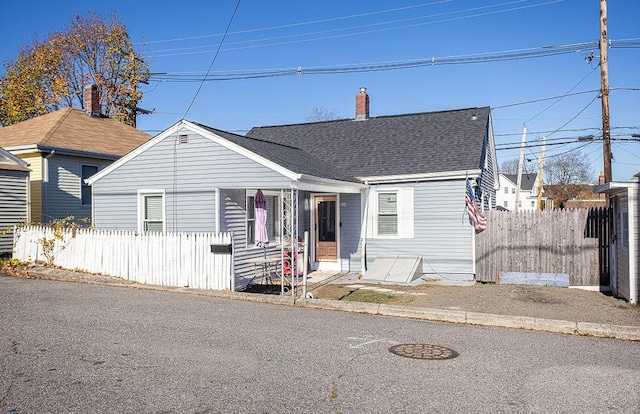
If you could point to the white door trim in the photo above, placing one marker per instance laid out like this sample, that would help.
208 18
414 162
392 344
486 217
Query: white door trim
324 265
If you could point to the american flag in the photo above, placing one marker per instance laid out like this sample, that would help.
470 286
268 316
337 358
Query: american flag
476 217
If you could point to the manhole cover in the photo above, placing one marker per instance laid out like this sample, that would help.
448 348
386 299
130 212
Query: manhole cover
423 351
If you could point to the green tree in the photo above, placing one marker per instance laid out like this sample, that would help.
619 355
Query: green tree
52 74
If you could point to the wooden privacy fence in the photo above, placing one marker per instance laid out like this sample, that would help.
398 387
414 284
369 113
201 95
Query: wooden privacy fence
174 259
573 242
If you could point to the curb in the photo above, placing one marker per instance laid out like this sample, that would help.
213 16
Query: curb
627 333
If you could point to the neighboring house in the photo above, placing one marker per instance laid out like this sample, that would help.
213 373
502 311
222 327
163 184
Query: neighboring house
389 185
624 262
506 194
63 148
14 197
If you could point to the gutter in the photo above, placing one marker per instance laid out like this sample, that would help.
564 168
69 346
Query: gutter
433 176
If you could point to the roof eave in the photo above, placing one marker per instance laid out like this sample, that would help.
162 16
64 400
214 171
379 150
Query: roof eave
433 176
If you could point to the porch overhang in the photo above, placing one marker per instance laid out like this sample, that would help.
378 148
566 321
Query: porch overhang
326 185
617 187
433 176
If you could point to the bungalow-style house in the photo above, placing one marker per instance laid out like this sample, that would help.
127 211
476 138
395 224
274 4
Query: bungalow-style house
14 197
506 194
362 188
624 248
65 147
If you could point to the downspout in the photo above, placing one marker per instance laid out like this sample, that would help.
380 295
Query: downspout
45 167
363 229
633 272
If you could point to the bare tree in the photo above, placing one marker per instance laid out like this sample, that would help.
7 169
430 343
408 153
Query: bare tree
509 166
569 176
320 113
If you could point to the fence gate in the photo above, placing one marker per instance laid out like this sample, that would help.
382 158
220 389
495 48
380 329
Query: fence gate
573 242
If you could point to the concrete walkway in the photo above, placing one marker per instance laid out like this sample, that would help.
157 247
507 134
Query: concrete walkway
575 327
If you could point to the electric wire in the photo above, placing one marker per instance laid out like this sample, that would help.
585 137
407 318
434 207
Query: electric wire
368 25
214 58
286 26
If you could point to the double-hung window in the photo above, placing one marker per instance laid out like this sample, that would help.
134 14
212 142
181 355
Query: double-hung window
272 199
151 215
85 189
388 214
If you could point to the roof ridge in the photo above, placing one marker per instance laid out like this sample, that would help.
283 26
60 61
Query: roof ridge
378 117
59 122
246 137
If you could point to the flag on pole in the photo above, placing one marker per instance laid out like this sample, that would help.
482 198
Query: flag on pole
477 219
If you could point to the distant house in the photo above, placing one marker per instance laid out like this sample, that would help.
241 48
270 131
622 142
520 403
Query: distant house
63 148
624 199
362 188
506 194
14 196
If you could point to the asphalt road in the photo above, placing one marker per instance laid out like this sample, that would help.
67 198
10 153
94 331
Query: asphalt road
78 348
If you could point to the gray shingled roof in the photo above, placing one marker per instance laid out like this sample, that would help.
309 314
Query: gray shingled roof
287 156
527 181
390 145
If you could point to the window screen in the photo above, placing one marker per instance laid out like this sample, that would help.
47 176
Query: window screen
388 214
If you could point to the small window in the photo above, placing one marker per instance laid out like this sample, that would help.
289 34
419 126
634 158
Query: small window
85 189
533 203
506 190
388 214
152 213
513 190
625 228
520 203
506 203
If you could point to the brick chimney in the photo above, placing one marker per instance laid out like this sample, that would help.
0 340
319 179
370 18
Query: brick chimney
601 181
362 105
92 100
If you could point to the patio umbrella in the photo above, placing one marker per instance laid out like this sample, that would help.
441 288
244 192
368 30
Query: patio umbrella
262 238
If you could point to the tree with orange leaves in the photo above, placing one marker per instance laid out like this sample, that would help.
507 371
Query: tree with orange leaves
52 74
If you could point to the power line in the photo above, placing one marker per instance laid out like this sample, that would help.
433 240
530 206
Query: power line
517 54
214 59
286 26
368 25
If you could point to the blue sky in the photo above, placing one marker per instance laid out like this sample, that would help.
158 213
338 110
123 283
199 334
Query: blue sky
180 38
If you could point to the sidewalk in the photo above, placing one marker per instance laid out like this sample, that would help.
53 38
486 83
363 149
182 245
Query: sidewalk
559 310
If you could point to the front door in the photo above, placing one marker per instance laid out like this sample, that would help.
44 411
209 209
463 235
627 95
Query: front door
325 226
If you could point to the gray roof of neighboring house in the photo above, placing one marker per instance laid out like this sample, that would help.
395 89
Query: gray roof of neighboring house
391 145
527 181
288 157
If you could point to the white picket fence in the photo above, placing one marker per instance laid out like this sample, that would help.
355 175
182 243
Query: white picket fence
174 259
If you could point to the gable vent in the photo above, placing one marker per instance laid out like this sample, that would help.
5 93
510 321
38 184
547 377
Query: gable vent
183 139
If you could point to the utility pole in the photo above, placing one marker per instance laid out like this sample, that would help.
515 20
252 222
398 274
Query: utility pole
520 162
541 173
604 78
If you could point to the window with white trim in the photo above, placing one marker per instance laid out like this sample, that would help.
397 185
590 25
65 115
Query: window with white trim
273 217
151 212
391 213
388 214
506 190
86 171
